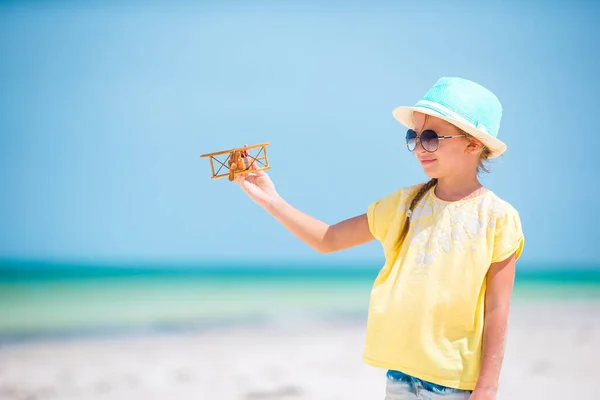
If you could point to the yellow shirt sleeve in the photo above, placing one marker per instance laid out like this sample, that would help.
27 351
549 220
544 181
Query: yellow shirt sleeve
508 238
382 212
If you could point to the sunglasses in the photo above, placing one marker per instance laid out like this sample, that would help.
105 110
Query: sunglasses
429 139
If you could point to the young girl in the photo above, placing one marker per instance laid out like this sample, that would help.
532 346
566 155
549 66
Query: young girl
439 307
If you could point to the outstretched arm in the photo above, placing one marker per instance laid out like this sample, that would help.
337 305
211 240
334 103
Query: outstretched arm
320 236
500 281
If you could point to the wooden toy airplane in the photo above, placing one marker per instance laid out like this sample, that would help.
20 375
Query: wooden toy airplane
239 161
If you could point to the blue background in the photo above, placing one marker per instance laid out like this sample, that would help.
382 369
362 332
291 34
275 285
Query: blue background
105 108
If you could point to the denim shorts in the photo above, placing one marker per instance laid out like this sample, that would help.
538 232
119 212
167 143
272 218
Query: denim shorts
400 386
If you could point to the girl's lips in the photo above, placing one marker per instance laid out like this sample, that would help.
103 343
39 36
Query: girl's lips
427 162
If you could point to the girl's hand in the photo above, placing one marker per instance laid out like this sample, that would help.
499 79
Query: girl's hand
258 186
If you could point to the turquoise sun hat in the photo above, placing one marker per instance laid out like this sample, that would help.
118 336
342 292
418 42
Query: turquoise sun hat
463 103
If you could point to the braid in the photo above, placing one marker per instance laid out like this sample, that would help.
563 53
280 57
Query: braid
412 206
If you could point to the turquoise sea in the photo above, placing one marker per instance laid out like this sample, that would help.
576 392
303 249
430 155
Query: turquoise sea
64 299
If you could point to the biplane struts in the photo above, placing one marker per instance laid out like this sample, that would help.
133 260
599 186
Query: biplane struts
238 161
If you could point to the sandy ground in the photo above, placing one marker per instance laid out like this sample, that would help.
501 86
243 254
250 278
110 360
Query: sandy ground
553 352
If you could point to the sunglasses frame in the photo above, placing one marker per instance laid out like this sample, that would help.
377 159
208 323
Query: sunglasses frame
418 139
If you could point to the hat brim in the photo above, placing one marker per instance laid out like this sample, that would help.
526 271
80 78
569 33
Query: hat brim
404 115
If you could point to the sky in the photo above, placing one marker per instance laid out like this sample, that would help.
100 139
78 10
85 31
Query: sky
105 108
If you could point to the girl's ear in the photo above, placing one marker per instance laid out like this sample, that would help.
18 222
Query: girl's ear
474 146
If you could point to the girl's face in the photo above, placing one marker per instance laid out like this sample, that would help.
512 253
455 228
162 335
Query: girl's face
453 157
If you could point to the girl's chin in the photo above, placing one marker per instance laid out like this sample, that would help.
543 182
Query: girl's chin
431 172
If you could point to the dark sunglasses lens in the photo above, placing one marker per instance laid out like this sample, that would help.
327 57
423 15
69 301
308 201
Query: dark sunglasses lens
411 139
429 140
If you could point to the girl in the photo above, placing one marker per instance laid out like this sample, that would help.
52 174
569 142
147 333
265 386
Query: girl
439 306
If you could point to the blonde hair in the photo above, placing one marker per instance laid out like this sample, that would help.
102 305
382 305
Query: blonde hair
484 155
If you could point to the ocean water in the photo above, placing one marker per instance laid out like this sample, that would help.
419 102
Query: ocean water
41 299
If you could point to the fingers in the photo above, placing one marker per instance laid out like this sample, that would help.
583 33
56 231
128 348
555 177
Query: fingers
254 167
242 179
239 178
249 177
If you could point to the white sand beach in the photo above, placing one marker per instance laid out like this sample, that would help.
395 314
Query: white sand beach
553 352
